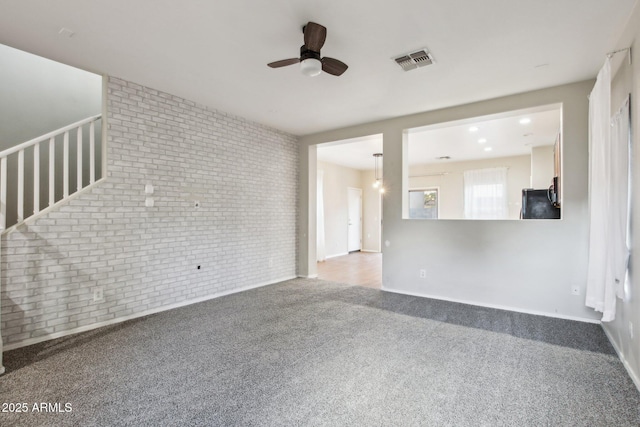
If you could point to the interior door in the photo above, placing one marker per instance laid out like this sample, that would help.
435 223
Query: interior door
355 219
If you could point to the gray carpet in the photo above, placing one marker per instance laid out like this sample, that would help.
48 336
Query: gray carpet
307 352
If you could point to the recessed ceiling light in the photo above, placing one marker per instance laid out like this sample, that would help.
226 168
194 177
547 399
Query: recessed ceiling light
488 148
482 140
525 121
473 129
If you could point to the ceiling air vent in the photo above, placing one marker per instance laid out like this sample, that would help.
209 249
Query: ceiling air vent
413 60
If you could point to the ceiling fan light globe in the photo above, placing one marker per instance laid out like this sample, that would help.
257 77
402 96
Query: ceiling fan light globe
311 67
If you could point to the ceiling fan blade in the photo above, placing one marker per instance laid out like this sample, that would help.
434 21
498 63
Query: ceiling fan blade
283 63
333 66
314 36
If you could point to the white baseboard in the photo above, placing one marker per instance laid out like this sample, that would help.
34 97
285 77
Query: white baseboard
496 306
86 328
310 276
370 250
336 255
633 375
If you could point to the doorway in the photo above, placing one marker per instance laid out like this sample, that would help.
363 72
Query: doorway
348 211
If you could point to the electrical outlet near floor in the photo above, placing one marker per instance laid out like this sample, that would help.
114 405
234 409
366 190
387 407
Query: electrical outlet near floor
423 273
575 290
98 294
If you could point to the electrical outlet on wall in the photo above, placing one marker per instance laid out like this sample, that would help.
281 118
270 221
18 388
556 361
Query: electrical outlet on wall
98 294
423 273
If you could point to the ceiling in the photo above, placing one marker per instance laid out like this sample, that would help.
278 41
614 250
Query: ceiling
512 133
354 153
215 52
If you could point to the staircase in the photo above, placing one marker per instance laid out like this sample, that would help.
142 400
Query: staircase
48 184
38 175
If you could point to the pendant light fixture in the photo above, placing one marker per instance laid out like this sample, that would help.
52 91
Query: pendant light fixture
378 173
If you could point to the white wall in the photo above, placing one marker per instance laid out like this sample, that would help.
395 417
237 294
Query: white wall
336 181
371 222
627 81
243 234
449 178
336 207
39 95
521 265
542 161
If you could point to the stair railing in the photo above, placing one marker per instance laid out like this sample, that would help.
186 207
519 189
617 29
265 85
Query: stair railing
66 133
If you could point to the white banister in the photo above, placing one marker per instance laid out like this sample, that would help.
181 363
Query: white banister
92 152
36 178
20 185
65 165
48 135
12 180
52 170
79 160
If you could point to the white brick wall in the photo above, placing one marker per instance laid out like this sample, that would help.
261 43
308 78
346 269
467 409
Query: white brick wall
244 233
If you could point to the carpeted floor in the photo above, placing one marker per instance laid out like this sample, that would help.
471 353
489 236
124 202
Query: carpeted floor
307 352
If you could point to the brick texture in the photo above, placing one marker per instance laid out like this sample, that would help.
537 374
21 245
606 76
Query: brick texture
244 176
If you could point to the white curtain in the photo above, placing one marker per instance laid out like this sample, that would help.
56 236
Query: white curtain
608 198
620 195
485 194
599 142
320 244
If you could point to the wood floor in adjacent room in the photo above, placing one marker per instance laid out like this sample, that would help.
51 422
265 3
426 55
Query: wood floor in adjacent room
357 268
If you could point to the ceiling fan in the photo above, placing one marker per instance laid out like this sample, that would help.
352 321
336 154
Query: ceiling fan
310 61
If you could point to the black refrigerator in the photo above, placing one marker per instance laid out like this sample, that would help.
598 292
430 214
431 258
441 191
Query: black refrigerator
538 204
